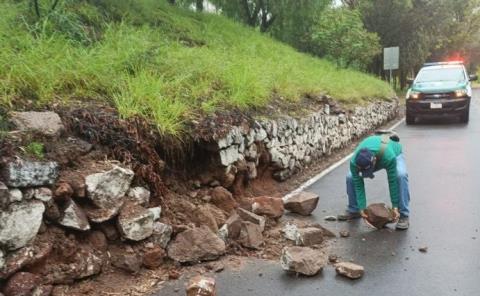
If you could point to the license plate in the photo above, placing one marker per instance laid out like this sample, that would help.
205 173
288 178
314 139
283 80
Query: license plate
436 106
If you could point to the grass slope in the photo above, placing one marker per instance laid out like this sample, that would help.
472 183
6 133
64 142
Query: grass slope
157 61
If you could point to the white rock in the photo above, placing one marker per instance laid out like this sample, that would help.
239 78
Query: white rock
20 174
157 211
43 194
135 223
290 231
162 234
2 259
303 260
229 155
107 190
74 217
16 195
19 224
46 123
139 195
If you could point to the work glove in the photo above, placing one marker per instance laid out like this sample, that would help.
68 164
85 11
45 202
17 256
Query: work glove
395 214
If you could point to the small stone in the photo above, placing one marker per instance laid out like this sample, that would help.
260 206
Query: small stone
344 233
153 258
201 285
43 194
303 203
128 262
268 206
349 270
156 212
250 235
303 260
309 236
98 240
110 231
215 266
63 191
330 218
161 234
231 228
333 258
15 196
74 217
423 249
174 274
139 195
290 231
43 290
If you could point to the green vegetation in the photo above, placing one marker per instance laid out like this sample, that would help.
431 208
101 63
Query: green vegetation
35 149
151 59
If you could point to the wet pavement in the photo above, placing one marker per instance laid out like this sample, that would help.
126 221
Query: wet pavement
443 160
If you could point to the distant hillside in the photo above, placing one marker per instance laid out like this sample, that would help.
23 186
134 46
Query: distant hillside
150 59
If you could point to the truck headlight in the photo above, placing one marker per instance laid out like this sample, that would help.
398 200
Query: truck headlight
459 93
413 95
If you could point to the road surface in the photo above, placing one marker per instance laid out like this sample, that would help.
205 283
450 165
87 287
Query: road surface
443 160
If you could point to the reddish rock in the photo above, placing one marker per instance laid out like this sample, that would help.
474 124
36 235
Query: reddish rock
217 213
110 231
26 256
223 199
63 191
203 216
232 227
52 211
153 258
129 262
21 284
303 203
201 286
98 240
198 244
268 206
251 235
349 269
251 217
309 236
303 260
174 274
379 215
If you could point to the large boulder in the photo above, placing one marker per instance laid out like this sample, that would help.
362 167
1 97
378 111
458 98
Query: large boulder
20 173
379 215
20 223
197 244
251 217
350 270
303 203
135 222
303 260
107 190
45 123
309 236
74 217
250 235
268 206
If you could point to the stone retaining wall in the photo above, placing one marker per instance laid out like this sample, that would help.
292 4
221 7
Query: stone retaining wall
293 143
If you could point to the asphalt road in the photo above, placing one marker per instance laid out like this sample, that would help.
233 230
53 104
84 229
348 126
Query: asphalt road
443 160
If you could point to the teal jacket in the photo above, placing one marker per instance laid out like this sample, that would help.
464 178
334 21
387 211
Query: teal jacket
388 162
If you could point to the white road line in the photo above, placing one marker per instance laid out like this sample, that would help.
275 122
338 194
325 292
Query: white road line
325 172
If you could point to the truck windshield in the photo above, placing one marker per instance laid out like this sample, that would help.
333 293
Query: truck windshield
441 74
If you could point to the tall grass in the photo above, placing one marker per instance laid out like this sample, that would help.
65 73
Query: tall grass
150 59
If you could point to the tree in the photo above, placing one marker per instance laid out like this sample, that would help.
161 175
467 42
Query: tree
341 36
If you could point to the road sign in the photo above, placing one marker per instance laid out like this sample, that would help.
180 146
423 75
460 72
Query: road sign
391 57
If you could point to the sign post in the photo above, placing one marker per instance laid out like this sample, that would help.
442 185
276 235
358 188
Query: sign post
391 57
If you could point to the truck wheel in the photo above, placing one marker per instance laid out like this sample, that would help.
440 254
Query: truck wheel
465 116
410 119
